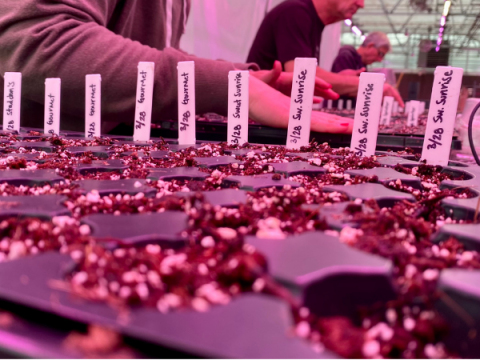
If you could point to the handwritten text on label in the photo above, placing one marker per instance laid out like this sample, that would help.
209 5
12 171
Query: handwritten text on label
442 115
237 129
367 114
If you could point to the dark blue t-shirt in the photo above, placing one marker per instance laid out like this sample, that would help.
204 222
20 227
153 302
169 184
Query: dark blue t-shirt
347 58
292 29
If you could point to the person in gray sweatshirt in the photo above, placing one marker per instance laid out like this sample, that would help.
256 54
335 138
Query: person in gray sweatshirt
72 38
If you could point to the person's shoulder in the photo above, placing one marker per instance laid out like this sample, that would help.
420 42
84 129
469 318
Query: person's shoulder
291 8
347 50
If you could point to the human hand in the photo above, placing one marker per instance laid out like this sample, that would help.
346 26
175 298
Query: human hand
351 72
329 123
270 107
282 81
389 90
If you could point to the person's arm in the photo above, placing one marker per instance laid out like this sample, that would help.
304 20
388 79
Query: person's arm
282 81
340 84
68 39
270 107
347 85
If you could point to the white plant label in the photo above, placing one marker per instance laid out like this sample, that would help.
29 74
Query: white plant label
395 107
93 105
237 128
52 106
386 113
407 106
12 99
340 104
367 114
186 103
329 104
144 100
349 104
301 102
413 113
441 115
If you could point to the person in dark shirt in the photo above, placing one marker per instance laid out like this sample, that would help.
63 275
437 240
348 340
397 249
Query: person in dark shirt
294 28
351 61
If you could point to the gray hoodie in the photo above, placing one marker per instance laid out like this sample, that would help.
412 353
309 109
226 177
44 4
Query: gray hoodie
72 38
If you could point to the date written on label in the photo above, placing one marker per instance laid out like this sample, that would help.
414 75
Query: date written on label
361 147
296 134
141 122
10 125
91 129
185 119
236 134
435 139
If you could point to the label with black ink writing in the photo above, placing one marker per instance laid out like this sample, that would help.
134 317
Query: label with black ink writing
441 115
387 108
186 103
93 109
144 100
52 106
413 112
237 128
367 114
301 102
12 98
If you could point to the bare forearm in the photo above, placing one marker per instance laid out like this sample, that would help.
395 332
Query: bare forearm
270 107
341 84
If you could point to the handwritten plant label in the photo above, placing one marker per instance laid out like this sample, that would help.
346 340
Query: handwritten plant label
52 106
395 107
349 104
186 103
340 104
93 98
12 98
301 102
237 129
413 113
441 115
367 114
386 113
144 100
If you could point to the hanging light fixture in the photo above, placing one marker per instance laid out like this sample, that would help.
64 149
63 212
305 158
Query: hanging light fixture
443 22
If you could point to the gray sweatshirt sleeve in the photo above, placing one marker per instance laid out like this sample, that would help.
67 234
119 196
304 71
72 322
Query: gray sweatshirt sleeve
70 38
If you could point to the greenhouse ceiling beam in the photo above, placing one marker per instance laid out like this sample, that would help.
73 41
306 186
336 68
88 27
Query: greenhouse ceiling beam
395 32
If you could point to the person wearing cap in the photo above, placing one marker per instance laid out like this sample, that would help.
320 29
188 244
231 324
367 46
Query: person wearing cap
70 39
351 61
294 29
